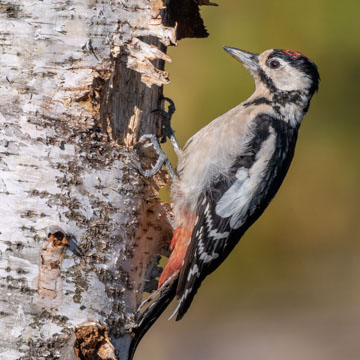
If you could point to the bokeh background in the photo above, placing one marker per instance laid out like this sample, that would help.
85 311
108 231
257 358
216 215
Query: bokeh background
290 289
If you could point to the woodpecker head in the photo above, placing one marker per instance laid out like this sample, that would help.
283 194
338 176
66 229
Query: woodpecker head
280 70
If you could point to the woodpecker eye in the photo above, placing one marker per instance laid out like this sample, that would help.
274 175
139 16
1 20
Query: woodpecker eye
274 64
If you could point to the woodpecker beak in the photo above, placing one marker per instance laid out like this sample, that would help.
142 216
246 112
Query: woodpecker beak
248 59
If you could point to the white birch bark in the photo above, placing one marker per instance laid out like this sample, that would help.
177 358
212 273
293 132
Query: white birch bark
78 84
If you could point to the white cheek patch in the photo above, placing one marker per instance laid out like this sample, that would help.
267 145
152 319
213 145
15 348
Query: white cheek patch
290 79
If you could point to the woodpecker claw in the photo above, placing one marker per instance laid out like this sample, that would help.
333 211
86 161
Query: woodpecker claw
167 132
161 160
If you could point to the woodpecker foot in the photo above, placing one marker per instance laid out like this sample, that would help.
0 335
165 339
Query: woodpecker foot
167 132
162 158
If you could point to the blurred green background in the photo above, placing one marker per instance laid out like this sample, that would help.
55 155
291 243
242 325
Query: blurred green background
290 289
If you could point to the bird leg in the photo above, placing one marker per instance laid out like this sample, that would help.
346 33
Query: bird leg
167 132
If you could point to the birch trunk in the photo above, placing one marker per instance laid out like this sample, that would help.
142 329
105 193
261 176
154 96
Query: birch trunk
80 229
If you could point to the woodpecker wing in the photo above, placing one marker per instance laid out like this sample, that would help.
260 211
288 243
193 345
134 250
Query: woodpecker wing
233 202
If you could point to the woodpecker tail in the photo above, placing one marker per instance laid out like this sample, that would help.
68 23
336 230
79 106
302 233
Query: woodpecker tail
151 314
168 282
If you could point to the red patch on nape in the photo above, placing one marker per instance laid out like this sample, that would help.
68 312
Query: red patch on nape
293 54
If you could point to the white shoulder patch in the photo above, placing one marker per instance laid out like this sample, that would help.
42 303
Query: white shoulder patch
236 200
228 204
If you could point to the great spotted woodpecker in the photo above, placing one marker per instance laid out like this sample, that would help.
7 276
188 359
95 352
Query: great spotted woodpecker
231 169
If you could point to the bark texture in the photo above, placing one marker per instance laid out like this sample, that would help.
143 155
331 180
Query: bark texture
80 230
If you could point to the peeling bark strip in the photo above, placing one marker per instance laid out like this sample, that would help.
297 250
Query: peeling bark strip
79 83
49 281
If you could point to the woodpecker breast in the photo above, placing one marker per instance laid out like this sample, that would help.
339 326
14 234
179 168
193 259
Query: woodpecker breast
210 153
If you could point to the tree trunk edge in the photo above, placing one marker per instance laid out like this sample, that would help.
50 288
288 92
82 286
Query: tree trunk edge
68 148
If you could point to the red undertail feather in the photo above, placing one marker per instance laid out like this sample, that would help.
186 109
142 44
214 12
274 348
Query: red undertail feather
179 244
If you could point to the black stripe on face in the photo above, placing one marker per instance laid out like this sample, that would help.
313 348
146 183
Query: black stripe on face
267 81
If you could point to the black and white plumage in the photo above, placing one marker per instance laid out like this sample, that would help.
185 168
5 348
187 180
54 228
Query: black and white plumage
231 169
235 201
